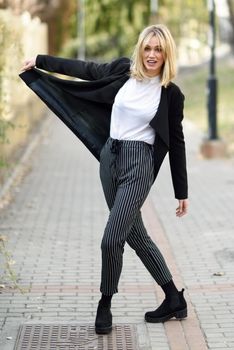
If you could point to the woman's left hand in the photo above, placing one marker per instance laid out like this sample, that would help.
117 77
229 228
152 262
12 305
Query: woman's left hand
29 64
182 208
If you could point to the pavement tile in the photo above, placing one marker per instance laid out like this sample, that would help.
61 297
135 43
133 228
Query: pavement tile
59 216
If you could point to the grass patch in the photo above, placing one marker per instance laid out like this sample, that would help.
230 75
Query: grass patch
193 83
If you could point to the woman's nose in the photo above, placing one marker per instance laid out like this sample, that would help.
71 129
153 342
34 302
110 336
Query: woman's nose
152 53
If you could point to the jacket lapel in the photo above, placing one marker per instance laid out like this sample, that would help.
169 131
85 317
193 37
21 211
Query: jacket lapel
160 120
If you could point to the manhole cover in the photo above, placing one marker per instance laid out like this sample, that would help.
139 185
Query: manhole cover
74 337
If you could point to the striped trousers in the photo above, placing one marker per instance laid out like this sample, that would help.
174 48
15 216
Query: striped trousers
127 174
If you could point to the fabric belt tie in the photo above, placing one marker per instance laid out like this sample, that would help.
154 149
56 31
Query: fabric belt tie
114 146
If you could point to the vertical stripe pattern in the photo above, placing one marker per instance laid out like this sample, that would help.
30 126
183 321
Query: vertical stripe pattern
127 173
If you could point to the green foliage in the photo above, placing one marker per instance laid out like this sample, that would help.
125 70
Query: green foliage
9 275
112 26
194 83
185 18
4 126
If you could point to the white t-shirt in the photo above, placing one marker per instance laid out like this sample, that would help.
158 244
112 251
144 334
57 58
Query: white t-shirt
135 105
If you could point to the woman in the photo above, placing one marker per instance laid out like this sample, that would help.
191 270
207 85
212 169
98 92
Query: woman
129 114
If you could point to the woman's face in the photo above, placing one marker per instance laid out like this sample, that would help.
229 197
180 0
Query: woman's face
153 58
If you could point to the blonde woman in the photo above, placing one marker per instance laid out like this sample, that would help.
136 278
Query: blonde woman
129 114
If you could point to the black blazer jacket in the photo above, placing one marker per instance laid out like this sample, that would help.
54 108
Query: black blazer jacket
85 107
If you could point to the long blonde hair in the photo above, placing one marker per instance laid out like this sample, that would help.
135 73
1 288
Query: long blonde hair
167 44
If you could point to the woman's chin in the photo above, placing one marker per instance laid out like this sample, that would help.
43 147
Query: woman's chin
152 72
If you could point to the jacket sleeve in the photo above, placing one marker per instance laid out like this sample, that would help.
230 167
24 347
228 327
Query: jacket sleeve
85 70
177 154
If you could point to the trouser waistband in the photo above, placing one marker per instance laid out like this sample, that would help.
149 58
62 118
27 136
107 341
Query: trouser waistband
115 144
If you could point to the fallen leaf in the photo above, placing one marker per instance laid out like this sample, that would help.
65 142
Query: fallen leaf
219 273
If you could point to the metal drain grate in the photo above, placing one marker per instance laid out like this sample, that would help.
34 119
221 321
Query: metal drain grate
74 337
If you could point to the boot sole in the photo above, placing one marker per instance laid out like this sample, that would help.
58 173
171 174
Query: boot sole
179 315
103 330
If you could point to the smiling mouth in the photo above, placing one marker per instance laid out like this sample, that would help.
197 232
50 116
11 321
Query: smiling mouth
151 61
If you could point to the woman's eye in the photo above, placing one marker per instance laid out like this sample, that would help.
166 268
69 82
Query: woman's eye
157 49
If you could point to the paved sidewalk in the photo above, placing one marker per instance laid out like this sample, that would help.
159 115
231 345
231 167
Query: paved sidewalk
54 225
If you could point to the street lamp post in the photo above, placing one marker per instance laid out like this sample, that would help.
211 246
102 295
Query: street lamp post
153 11
212 81
81 28
212 147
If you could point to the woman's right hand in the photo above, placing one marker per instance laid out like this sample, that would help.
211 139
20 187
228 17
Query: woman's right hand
29 63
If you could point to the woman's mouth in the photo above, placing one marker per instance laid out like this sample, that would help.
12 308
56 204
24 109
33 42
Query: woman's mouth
151 61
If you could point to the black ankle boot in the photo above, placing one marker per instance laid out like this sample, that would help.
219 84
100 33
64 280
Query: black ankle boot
175 306
103 323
